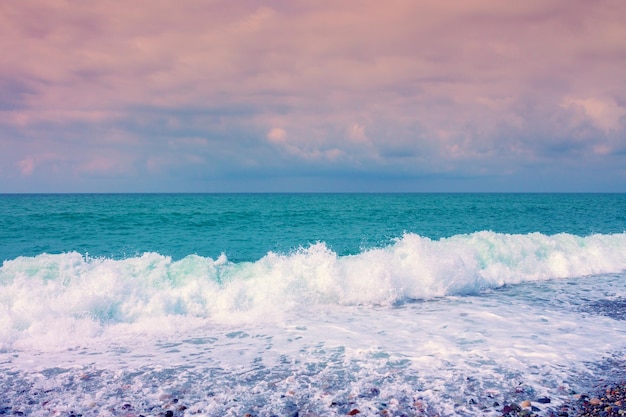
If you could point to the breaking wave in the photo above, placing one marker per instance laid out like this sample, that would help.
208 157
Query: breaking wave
73 295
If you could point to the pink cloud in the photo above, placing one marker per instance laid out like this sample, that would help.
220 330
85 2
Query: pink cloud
357 133
111 164
140 54
32 116
26 166
277 135
449 79
605 114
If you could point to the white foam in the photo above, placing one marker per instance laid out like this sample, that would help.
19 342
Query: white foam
511 344
56 300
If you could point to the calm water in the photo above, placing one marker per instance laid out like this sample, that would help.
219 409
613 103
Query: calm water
246 226
321 304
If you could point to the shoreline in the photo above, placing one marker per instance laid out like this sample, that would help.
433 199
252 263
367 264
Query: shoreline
605 399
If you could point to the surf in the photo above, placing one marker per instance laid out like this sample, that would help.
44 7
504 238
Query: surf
85 295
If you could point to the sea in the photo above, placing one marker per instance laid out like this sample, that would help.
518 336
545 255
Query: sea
309 304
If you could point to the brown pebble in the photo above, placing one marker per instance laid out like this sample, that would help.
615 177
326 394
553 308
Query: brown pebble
420 406
595 401
354 412
526 404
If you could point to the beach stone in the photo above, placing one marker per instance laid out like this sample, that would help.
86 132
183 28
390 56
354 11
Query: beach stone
526 404
515 407
543 400
595 401
354 412
291 409
371 393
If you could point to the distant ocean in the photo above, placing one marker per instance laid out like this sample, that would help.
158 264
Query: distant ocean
308 304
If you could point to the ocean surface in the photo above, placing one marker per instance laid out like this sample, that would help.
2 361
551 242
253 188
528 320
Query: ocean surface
308 304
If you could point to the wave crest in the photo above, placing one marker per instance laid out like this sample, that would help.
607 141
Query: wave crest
87 295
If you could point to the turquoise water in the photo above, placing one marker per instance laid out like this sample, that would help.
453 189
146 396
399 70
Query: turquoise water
308 304
247 226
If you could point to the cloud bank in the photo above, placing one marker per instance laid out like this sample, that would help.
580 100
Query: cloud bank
475 95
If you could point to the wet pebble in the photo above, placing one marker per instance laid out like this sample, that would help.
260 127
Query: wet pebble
371 393
610 403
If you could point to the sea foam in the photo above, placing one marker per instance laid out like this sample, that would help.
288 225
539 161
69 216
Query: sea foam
48 300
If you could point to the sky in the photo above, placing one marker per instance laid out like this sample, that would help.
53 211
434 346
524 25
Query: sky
312 96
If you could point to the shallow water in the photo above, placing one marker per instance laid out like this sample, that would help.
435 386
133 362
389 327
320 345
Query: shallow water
455 355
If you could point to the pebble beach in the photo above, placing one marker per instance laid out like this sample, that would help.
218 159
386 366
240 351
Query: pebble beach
605 400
